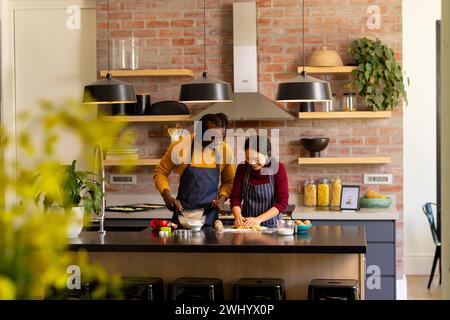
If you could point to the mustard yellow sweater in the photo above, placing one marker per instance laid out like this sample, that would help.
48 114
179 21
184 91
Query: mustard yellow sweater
175 159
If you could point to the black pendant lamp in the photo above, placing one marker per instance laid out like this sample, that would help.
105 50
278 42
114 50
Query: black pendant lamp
304 88
109 90
205 89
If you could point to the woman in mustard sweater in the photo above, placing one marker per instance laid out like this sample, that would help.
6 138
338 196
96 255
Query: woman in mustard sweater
203 185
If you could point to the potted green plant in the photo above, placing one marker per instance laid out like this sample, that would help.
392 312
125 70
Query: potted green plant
79 195
379 77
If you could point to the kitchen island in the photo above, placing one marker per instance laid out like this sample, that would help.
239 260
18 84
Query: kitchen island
325 252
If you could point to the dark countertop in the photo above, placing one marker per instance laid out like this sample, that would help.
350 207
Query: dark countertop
319 240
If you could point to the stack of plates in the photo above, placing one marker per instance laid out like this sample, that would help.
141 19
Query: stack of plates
122 154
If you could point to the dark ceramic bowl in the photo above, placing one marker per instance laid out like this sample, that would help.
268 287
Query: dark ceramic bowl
315 146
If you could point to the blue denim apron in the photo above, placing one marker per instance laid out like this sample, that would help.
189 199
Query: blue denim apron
198 188
257 199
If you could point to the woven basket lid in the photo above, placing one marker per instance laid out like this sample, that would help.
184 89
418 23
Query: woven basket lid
324 58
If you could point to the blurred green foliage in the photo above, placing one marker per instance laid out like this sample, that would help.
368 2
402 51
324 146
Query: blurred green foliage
34 255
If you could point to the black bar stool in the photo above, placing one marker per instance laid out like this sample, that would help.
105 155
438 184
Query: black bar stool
196 289
322 289
148 289
84 293
248 289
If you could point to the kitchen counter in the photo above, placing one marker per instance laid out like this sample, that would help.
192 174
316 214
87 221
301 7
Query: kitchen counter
306 213
325 252
323 240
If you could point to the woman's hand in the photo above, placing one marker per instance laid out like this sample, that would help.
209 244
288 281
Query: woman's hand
171 202
251 222
238 219
239 222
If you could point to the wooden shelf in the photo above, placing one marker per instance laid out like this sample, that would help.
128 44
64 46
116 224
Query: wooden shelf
346 115
132 163
150 73
344 161
178 118
330 70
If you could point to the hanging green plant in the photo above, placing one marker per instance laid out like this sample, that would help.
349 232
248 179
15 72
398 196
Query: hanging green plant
379 77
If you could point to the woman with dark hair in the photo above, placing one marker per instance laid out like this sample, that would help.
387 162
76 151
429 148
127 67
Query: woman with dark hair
203 184
260 190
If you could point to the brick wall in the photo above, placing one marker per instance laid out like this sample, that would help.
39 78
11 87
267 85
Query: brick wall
171 32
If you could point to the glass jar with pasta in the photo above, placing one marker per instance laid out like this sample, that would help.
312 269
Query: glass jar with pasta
323 193
310 193
336 189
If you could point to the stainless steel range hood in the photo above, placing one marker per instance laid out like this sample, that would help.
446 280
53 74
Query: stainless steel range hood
248 103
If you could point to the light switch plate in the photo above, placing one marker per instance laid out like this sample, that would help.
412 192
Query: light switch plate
378 178
122 179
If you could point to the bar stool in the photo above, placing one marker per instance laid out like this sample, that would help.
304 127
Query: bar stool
195 289
323 289
148 289
248 289
84 293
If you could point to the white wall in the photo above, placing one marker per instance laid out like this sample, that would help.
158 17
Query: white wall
42 58
445 148
419 48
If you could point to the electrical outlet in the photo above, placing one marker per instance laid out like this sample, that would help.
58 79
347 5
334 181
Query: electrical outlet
122 179
378 179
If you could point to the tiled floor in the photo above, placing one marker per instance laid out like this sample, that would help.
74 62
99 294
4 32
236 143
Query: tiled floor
417 288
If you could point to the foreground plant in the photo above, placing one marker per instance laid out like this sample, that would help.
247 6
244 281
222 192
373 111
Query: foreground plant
34 256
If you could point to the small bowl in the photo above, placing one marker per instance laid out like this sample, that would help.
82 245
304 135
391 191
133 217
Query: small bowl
194 224
285 227
303 229
315 146
368 203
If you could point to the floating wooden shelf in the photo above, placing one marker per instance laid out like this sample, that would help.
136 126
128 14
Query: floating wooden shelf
132 163
343 161
178 118
346 115
150 73
330 70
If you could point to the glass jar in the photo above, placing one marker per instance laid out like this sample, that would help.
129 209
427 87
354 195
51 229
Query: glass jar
336 189
331 106
126 54
310 193
323 193
349 102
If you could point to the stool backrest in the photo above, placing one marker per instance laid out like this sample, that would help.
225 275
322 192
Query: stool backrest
429 213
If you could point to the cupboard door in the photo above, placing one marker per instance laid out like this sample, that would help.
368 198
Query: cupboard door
380 256
386 290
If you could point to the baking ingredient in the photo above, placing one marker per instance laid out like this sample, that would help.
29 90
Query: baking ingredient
219 226
323 193
310 194
285 231
336 189
254 228
302 223
375 195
